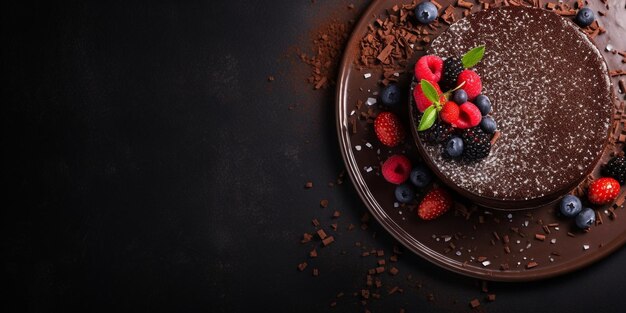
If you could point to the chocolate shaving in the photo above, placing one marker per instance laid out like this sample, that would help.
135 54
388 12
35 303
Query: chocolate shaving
531 265
322 234
306 237
328 240
495 137
302 266
474 303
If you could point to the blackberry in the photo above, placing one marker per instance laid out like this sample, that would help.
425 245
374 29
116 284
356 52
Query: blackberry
476 144
440 132
616 168
452 67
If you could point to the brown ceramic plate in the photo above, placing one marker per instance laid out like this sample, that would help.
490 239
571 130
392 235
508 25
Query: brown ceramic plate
472 241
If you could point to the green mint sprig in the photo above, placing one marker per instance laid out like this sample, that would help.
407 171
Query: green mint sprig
473 56
430 114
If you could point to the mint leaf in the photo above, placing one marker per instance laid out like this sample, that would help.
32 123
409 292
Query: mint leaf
472 57
428 119
429 91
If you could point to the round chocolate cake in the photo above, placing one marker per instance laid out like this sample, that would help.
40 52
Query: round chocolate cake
551 96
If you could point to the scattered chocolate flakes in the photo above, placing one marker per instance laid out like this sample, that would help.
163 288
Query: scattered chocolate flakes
313 253
491 297
324 203
336 214
308 185
380 269
328 46
315 222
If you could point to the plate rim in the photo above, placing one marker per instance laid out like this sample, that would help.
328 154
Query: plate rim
396 230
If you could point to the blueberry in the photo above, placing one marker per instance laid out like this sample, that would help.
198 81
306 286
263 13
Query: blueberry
391 95
404 193
421 176
454 147
488 124
570 206
459 96
585 218
426 12
483 103
584 17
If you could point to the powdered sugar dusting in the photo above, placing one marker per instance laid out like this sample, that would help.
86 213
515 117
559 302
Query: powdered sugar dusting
551 99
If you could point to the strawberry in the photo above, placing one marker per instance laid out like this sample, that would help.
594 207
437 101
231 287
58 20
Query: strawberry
449 113
396 169
473 86
603 190
429 67
469 116
389 129
420 99
434 204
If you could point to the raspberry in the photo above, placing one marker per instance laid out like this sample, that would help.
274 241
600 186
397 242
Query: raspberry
469 116
449 113
396 169
452 67
472 86
420 99
429 67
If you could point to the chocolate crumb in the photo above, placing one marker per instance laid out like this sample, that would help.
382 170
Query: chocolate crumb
322 234
474 303
316 272
270 78
324 203
315 222
328 240
491 297
306 237
380 269
302 266
393 271
531 265
313 253
336 214
308 185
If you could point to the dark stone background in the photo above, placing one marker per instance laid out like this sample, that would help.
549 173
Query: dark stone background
150 166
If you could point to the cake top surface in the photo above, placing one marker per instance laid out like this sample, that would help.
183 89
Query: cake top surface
551 97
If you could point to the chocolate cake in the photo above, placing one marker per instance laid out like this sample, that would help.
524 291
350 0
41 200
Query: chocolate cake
552 98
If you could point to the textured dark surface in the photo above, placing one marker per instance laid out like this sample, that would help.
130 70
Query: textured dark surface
152 167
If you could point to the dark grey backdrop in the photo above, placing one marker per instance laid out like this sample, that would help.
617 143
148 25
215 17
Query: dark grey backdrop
151 166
